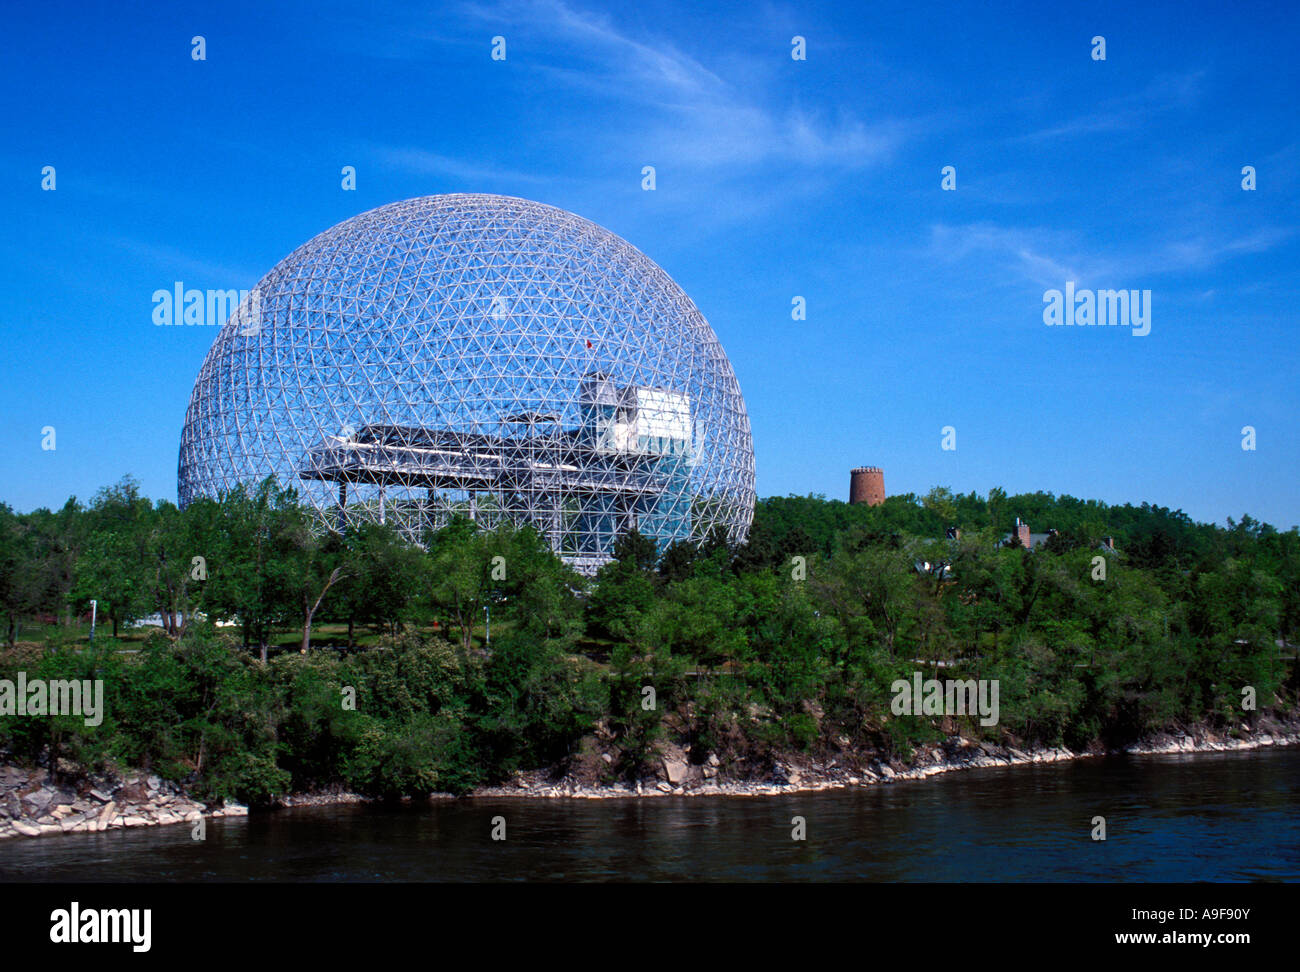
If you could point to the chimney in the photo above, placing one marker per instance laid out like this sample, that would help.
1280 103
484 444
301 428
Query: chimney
1109 542
1022 534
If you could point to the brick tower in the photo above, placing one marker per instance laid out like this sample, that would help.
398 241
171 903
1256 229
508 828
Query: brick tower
867 485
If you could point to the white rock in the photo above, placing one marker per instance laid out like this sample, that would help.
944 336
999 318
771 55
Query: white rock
675 770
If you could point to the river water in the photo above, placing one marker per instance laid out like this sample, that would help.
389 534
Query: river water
1203 817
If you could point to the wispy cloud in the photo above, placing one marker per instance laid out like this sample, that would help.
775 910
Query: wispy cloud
420 162
592 38
675 104
1165 93
184 265
1048 257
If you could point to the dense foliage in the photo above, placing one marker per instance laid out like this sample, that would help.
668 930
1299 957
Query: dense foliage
287 659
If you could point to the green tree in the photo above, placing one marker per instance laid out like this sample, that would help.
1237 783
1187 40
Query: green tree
459 579
383 576
21 586
245 582
111 568
625 590
309 565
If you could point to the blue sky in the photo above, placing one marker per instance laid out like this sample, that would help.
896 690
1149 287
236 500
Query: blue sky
775 178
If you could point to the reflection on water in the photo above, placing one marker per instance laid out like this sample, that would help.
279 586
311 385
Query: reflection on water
1208 817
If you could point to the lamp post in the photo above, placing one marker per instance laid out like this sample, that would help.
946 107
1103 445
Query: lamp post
94 612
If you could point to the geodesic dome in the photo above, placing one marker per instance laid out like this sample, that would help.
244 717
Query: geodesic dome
477 355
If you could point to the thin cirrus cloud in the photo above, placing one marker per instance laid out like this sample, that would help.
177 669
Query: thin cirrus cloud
731 133
1049 257
424 163
1166 93
660 98
1019 252
648 67
176 263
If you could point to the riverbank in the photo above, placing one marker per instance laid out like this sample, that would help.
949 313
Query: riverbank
678 777
33 805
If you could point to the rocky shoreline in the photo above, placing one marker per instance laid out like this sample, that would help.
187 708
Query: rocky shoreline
679 778
32 805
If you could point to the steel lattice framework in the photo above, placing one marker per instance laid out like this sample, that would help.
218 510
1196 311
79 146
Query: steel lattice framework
481 355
